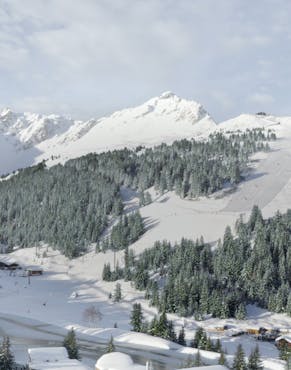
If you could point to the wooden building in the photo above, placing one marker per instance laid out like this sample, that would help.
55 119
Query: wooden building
8 263
284 340
33 270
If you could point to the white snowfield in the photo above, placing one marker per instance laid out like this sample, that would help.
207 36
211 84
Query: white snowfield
69 287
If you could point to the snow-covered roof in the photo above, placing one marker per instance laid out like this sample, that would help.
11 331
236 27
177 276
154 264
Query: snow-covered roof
287 338
55 358
60 365
33 268
48 354
117 361
7 260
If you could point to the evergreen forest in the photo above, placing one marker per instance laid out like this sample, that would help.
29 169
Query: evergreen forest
194 278
69 206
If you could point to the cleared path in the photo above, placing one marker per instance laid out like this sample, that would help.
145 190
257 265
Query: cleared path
269 178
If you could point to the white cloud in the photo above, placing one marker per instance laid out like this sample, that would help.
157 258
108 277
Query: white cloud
93 56
42 104
223 99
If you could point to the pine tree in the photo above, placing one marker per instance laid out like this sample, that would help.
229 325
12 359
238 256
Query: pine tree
209 345
70 343
181 337
222 359
162 327
198 361
217 346
198 334
240 313
110 346
136 319
117 295
203 341
6 356
172 334
254 362
239 362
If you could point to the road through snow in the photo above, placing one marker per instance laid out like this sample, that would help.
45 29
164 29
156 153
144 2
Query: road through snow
27 333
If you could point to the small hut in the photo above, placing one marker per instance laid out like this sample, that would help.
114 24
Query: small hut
283 341
33 270
8 263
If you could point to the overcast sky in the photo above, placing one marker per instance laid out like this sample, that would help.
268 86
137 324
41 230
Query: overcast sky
90 57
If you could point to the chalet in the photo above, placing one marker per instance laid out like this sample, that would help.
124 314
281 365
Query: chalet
8 263
52 358
284 340
33 270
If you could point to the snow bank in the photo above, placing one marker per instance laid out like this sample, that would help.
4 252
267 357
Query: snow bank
117 361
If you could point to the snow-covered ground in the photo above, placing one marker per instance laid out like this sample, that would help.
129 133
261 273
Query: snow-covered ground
52 297
60 298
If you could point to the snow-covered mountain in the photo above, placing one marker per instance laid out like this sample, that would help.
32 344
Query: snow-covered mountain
250 121
31 128
29 137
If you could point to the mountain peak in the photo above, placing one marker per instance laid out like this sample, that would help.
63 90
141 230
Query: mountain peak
167 95
5 112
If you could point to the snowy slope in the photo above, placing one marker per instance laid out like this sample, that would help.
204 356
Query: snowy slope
33 137
250 121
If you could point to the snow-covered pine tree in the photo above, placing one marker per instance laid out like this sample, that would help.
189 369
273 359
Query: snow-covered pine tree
254 362
6 356
110 346
239 362
117 295
71 345
136 319
181 337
